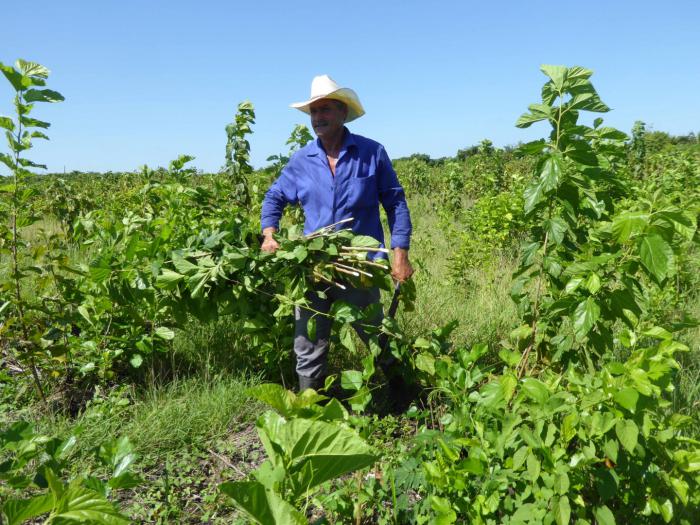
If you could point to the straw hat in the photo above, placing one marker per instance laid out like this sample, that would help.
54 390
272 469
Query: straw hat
324 86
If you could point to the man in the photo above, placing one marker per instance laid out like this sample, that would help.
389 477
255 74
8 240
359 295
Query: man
338 176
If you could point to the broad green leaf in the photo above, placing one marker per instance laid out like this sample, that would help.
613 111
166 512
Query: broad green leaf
7 123
533 467
627 398
471 464
13 76
666 509
533 195
284 401
573 284
320 451
360 399
657 256
28 122
136 360
628 224
593 283
683 222
585 317
604 515
561 483
537 112
7 161
351 379
83 505
42 95
627 432
551 172
519 457
588 102
364 241
426 363
32 69
165 333
261 505
182 265
611 449
19 511
562 510
168 279
556 228
557 74
346 338
659 333
535 389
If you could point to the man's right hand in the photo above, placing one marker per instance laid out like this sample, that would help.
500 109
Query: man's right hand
269 243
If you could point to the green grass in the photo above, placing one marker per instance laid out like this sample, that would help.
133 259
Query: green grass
185 413
480 303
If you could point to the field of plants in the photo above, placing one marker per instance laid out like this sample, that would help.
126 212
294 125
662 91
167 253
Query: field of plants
549 335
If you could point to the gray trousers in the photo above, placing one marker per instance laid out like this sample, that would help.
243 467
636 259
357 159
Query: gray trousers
312 354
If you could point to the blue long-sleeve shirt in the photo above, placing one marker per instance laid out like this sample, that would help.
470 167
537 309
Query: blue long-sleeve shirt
364 178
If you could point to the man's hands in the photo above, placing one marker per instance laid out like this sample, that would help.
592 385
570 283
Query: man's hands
401 268
269 244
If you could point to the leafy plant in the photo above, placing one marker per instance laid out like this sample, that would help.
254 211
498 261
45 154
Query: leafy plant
306 445
16 198
38 463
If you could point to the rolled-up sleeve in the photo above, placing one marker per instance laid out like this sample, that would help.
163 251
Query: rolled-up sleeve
282 192
393 199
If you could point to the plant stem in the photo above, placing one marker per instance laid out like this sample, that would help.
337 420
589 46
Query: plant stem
13 249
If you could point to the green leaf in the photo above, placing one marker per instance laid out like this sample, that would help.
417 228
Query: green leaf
351 379
537 112
604 515
627 398
13 76
7 123
165 333
32 69
168 279
629 223
585 317
657 256
42 95
588 102
284 401
136 360
320 451
261 505
7 161
364 241
627 432
556 228
28 122
426 363
87 506
557 74
535 389
683 222
346 338
562 510
19 511
551 172
667 510
533 467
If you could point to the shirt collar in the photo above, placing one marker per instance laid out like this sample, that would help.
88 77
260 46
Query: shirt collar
348 141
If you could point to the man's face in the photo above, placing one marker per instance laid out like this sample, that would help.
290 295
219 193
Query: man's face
327 117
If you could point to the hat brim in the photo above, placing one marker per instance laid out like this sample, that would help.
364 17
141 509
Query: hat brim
345 95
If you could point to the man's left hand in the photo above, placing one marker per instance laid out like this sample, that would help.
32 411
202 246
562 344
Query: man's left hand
401 268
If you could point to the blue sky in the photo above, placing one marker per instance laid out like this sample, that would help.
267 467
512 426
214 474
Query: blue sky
145 81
